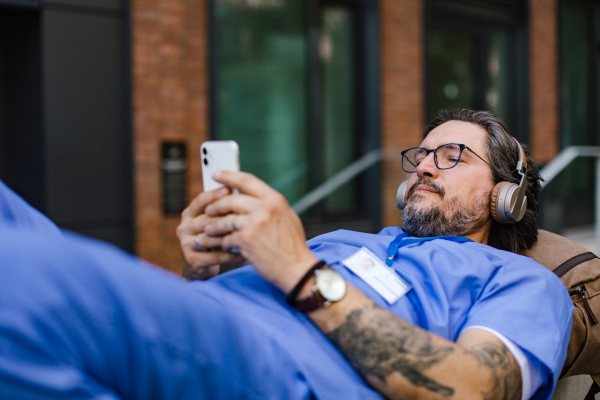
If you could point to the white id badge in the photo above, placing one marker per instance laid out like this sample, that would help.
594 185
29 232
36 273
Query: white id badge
379 276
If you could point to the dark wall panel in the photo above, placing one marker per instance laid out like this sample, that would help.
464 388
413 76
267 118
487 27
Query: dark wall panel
85 100
21 157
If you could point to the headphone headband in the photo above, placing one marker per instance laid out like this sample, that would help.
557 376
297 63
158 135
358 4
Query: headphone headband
522 163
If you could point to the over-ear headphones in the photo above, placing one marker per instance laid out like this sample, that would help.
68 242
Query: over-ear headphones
508 202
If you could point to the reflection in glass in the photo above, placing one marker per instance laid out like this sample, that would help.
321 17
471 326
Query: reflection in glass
471 70
576 91
453 71
499 88
337 65
260 88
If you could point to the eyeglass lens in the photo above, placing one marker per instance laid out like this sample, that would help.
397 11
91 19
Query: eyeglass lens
446 156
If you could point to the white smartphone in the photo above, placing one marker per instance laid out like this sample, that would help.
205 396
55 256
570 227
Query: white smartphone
218 155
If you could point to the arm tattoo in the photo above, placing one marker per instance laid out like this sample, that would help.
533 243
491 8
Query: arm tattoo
504 371
377 345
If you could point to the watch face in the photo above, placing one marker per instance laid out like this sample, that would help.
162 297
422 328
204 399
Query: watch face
331 285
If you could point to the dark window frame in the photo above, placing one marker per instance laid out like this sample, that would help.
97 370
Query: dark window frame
474 17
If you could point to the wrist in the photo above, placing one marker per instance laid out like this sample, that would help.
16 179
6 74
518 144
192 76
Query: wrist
320 287
297 291
294 273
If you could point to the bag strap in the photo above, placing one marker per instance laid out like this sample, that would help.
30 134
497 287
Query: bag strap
593 391
572 263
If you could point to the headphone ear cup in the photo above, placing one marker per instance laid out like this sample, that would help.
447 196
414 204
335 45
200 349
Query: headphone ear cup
400 195
494 201
500 203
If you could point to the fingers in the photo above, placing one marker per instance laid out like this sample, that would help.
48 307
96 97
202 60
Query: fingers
204 265
199 203
222 226
204 259
201 242
244 181
246 204
193 218
202 255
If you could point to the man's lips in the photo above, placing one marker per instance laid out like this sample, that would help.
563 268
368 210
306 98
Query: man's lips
425 188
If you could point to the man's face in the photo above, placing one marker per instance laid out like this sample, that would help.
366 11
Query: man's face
452 201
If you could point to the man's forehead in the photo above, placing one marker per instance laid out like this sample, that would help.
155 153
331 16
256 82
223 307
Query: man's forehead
467 133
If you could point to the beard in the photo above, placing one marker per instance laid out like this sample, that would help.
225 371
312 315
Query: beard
453 217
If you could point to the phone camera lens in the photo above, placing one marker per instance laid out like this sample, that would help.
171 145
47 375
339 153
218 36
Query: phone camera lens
204 151
206 161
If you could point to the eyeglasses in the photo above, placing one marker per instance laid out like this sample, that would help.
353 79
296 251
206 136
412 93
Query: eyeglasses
445 157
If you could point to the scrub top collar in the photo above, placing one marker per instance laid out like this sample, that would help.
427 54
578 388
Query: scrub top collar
405 239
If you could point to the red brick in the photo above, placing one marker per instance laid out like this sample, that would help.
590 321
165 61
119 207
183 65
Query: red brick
543 73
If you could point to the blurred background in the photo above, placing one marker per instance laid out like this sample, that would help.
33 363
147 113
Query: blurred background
104 103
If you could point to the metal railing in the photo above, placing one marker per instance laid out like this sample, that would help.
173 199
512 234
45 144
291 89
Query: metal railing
564 158
346 175
548 173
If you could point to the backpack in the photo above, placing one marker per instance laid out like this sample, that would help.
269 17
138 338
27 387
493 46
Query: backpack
579 270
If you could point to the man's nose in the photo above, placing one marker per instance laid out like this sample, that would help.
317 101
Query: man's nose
427 167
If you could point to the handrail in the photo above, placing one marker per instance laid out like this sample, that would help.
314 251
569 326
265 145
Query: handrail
564 158
337 180
342 177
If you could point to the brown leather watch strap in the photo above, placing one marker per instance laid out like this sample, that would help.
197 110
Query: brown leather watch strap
292 297
311 303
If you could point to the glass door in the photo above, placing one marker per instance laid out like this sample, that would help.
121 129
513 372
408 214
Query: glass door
261 89
338 80
291 80
473 54
580 95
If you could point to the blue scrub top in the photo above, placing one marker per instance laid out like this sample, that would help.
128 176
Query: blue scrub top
15 212
80 318
457 283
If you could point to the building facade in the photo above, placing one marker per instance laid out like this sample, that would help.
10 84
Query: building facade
233 66
307 87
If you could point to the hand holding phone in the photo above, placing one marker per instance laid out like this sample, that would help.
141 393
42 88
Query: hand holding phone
218 155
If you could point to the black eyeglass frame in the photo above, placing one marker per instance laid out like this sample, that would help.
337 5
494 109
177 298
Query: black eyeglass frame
435 159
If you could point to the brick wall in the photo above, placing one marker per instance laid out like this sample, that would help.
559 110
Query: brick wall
170 102
170 97
543 79
402 91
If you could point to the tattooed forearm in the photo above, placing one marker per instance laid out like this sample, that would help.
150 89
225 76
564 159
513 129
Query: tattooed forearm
377 345
504 371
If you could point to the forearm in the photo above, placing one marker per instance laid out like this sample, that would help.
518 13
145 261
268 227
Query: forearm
403 361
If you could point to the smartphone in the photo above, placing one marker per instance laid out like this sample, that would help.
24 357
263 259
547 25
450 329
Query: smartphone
218 155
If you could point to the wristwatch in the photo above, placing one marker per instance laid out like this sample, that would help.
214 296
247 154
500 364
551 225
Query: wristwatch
329 287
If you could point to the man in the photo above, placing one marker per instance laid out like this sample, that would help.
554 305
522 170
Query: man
80 319
396 357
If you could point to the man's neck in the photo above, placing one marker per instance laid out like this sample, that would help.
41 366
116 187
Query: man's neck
481 235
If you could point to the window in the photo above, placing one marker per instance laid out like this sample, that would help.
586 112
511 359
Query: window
261 88
580 105
475 59
290 86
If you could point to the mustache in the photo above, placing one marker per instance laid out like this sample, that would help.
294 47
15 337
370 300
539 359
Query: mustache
428 182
